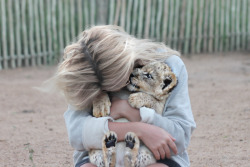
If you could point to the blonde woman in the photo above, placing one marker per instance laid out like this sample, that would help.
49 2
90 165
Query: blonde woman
101 61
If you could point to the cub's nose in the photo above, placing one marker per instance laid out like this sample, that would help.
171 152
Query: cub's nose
131 75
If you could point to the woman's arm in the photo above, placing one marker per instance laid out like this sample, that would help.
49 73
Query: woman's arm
80 125
155 138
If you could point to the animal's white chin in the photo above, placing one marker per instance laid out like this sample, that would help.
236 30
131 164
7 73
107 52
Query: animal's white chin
133 87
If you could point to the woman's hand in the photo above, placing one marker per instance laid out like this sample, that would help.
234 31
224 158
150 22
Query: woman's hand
121 109
157 140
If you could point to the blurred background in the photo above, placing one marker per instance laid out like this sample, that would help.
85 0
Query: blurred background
35 32
212 35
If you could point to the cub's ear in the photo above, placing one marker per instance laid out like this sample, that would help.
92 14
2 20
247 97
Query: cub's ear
169 83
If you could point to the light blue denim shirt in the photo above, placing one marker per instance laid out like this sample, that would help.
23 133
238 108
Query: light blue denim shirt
177 119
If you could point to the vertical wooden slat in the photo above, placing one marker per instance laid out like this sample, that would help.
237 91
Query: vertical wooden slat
128 20
237 24
194 35
248 26
4 37
37 31
24 34
243 25
79 16
111 11
152 23
227 27
158 20
60 22
11 35
54 31
1 54
141 14
152 20
170 23
200 15
123 14
205 28
165 21
232 19
117 12
66 22
222 25
211 26
135 16
147 19
176 24
217 26
188 27
49 35
92 12
43 34
31 33
101 11
72 19
182 23
86 13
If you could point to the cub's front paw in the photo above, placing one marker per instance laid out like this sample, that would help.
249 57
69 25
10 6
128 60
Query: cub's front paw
101 106
138 100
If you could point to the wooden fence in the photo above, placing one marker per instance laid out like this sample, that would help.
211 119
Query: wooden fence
34 32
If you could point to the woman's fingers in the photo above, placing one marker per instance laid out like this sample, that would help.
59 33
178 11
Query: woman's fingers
162 153
172 138
173 147
167 151
156 154
160 142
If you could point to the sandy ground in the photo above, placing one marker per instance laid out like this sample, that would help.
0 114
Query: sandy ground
33 132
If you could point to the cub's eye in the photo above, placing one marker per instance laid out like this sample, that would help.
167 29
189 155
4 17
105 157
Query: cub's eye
148 75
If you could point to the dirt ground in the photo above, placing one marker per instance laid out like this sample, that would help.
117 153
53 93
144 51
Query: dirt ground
33 132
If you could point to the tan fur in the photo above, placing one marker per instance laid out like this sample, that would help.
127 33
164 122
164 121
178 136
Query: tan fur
101 106
152 92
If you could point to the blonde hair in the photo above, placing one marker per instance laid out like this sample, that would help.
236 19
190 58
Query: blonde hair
102 60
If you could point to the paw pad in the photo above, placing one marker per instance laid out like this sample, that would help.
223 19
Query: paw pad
130 141
110 139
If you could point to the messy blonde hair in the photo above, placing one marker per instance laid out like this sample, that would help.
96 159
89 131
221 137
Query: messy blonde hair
102 60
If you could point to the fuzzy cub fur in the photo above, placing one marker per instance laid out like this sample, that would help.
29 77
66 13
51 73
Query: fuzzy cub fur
152 85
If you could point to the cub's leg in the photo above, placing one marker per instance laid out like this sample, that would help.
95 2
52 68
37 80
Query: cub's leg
141 99
109 149
131 150
96 158
101 105
145 157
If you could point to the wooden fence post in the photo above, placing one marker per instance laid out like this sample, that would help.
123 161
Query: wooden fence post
4 37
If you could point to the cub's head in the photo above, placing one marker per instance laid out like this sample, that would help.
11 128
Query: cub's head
155 78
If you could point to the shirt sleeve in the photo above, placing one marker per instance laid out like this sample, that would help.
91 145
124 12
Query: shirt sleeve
85 132
177 118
